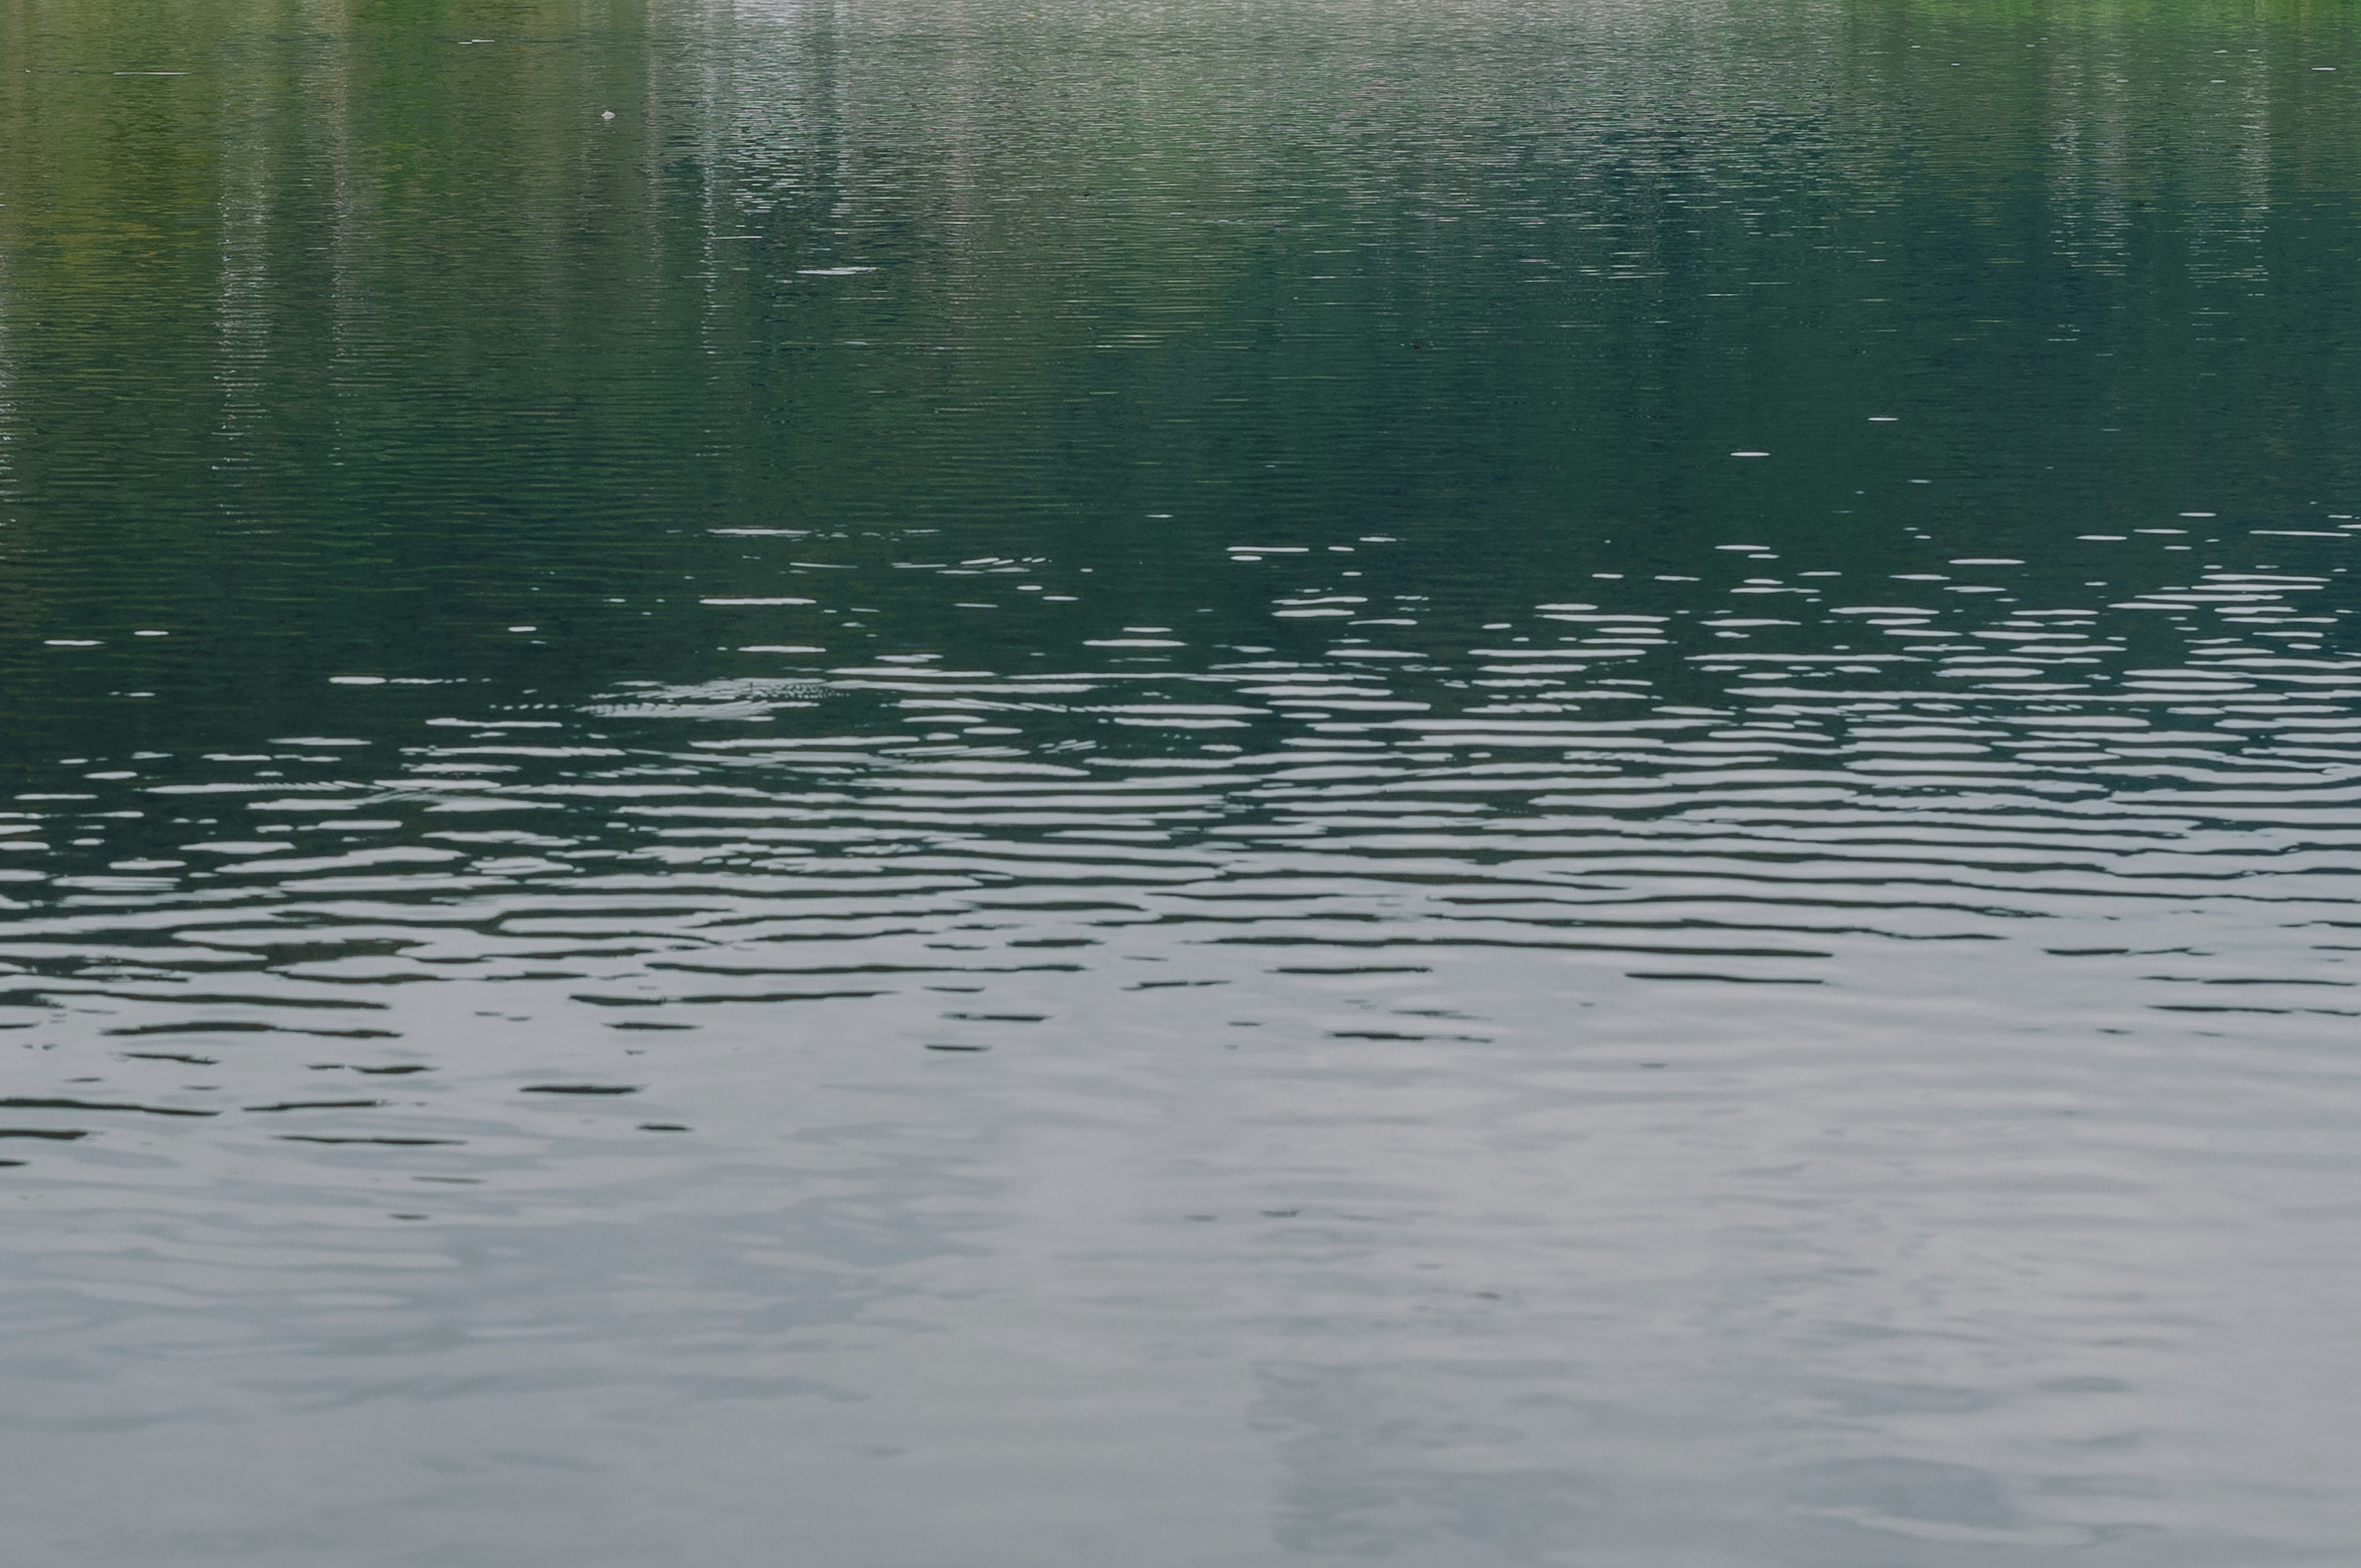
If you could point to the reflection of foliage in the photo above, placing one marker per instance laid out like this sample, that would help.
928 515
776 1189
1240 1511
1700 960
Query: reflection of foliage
359 326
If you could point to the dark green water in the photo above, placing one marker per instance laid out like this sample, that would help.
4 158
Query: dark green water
1189 783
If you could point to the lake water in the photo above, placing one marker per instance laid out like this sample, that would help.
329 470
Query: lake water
968 784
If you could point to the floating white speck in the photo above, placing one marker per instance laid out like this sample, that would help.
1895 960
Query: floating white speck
1749 454
765 602
357 680
831 271
607 113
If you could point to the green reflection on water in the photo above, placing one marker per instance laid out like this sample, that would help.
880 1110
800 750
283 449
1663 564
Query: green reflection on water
345 338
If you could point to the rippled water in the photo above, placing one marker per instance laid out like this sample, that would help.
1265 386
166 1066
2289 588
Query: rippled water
937 785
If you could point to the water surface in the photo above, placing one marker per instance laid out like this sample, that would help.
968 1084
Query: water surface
894 785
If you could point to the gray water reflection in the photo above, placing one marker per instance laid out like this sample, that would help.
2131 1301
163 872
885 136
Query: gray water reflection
1494 786
1850 1127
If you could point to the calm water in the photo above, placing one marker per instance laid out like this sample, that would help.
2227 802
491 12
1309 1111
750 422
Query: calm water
1190 784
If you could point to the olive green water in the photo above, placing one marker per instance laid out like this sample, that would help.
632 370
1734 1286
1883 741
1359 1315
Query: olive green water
944 784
